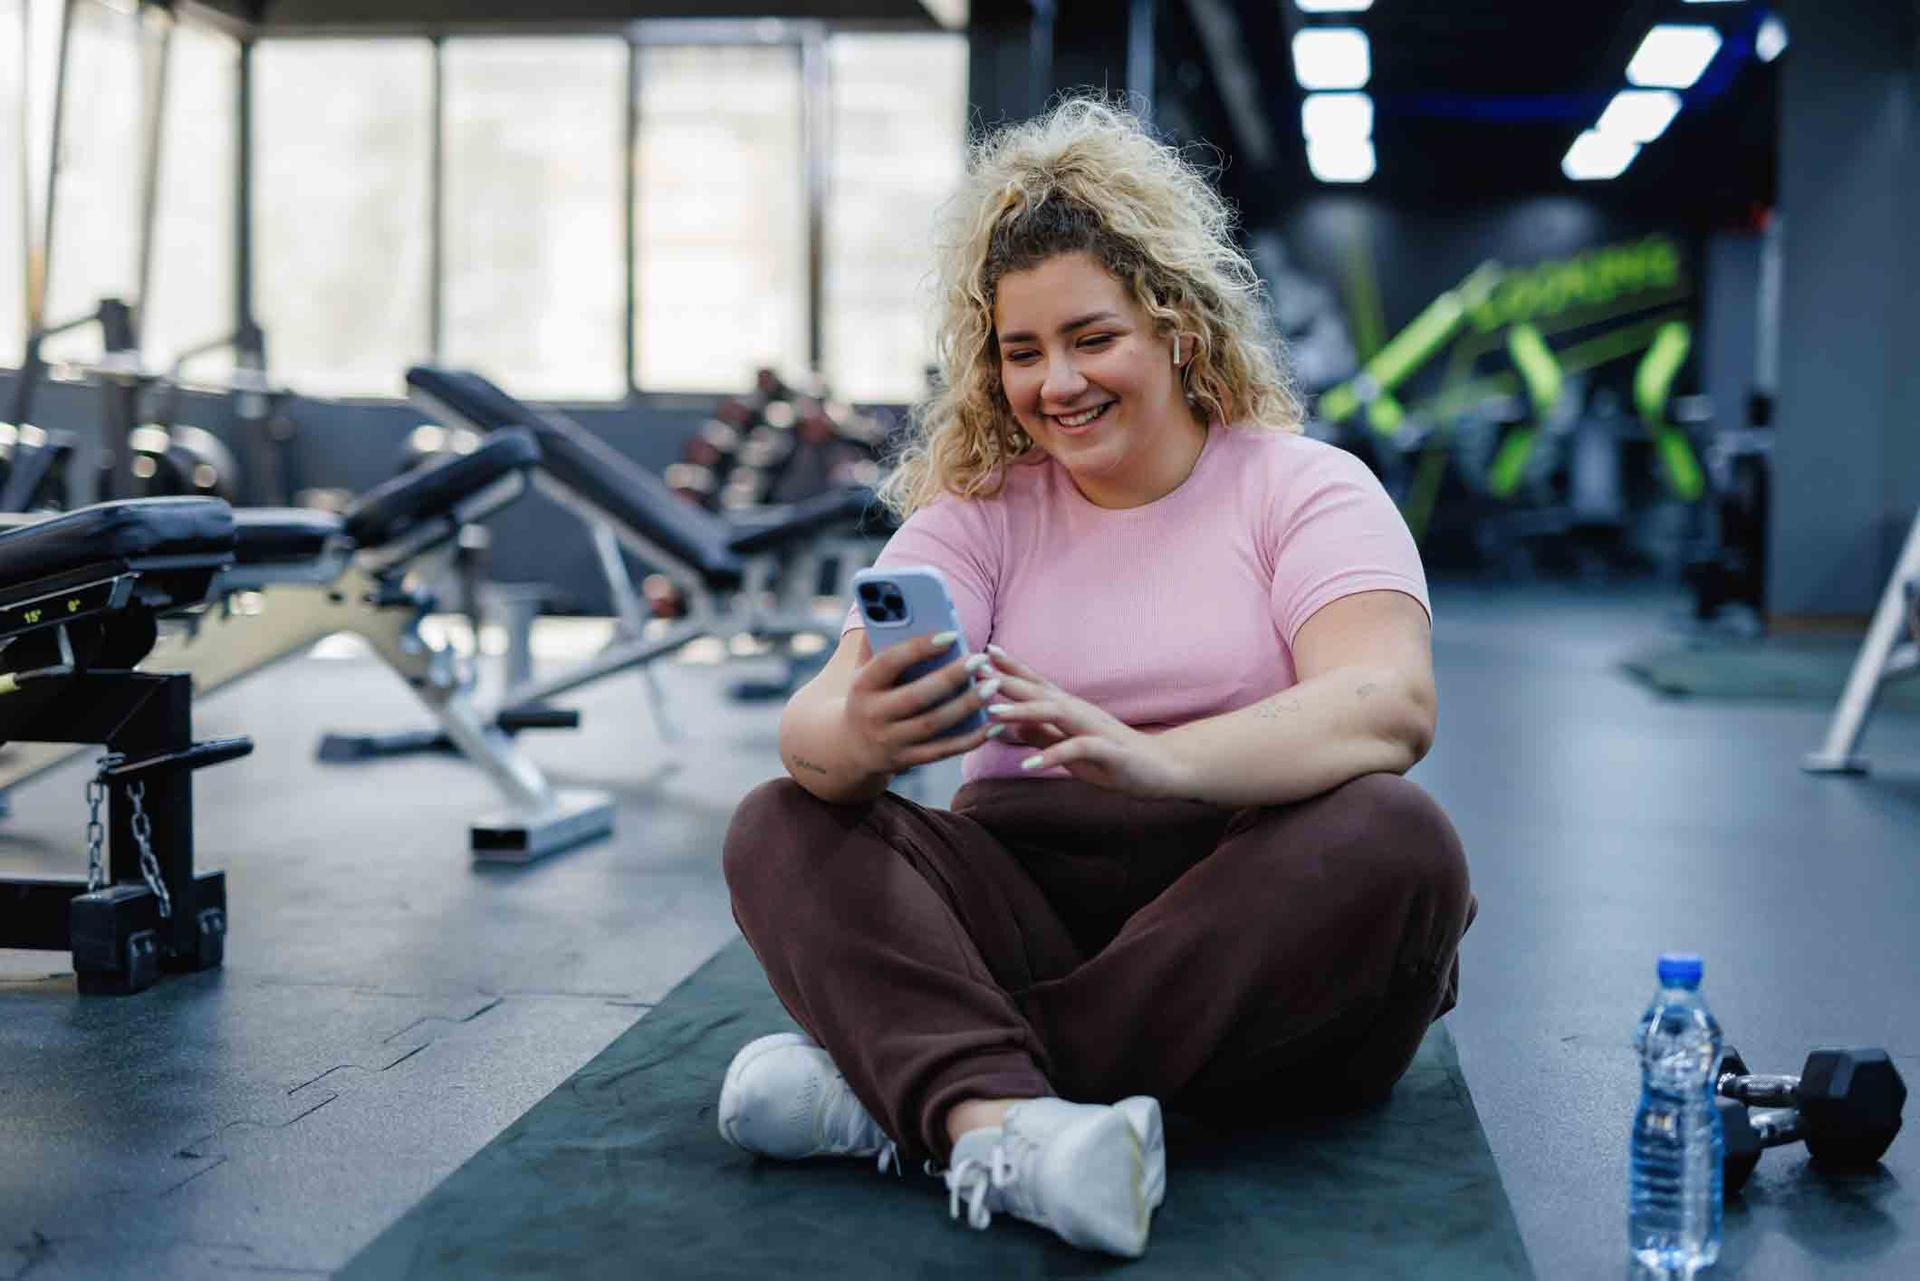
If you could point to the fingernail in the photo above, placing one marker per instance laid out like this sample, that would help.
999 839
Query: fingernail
989 689
943 639
977 662
999 709
1032 762
997 730
996 651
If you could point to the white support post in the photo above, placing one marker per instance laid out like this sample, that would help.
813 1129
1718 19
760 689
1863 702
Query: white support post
1882 658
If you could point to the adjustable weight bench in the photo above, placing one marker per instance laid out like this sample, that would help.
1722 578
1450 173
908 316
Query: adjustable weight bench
299 575
302 575
725 567
81 596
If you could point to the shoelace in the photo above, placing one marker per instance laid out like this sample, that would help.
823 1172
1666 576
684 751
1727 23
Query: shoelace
973 1179
846 1122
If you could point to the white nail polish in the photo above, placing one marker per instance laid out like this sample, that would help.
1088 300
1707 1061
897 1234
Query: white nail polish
997 731
977 662
1032 762
989 689
998 709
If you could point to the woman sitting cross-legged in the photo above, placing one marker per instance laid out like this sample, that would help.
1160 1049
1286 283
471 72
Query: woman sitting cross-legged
1184 867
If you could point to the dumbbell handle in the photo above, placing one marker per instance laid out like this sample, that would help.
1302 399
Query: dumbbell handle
1762 1091
1778 1127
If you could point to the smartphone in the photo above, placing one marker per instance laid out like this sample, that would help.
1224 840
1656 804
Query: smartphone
908 602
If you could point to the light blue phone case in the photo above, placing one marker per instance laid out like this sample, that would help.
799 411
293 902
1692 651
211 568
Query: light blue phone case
905 603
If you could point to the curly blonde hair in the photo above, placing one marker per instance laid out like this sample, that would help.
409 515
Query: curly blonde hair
1086 177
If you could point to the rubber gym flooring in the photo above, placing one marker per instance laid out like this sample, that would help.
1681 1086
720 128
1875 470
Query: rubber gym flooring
388 1009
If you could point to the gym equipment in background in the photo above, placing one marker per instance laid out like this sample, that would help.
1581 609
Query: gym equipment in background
80 599
188 461
300 575
1730 569
777 445
744 574
774 445
1845 1106
1489 401
1883 658
34 468
144 450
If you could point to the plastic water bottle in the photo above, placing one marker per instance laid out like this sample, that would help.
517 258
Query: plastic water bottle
1673 1214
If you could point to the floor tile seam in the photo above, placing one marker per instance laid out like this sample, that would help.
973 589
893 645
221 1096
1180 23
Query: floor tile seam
497 995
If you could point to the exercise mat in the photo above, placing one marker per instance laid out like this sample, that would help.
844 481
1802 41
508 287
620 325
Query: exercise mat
619 1173
1783 670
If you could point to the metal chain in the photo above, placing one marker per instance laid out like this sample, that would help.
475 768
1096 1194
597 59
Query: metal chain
96 830
143 834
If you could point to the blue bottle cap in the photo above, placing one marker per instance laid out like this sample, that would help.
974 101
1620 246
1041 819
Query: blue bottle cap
1680 969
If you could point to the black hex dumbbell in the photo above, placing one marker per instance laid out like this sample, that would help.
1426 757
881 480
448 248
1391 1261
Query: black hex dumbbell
1845 1105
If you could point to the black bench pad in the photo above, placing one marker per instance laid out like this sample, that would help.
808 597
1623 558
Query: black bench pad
135 531
389 510
283 535
593 469
765 529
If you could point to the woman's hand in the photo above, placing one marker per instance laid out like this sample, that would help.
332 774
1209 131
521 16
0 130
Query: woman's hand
1072 733
898 725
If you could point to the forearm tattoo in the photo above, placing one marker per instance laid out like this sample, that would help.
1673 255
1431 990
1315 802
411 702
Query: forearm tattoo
801 762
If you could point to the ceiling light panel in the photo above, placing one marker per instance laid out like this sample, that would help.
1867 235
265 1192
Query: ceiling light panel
1673 56
1341 160
1639 115
1334 6
1770 41
1332 58
1595 156
1335 116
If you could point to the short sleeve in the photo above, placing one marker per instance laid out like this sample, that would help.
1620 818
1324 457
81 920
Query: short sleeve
1336 533
957 537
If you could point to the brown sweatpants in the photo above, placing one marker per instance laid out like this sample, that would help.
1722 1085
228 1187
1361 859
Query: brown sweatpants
1046 936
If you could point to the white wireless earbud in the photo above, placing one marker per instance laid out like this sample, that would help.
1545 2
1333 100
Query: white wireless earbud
1176 349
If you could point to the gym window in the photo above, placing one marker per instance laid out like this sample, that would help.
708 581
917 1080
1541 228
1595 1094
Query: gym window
898 134
736 154
342 286
531 216
96 237
190 299
13 235
721 264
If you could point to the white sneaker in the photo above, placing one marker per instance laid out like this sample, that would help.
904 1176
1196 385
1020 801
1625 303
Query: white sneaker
1143 1114
783 1098
1075 1168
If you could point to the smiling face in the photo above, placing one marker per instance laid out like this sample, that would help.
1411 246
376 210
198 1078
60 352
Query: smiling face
1092 383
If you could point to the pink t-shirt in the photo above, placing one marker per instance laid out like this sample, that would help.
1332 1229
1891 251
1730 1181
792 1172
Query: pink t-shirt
1174 611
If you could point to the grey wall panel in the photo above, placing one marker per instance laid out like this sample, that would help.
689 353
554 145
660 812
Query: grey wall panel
1845 480
1729 309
